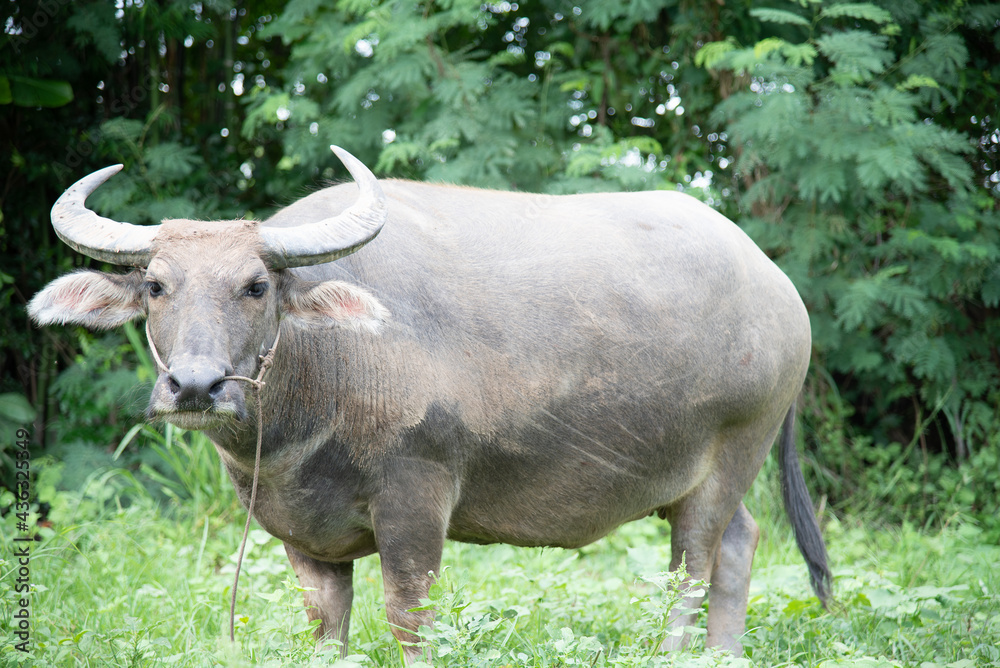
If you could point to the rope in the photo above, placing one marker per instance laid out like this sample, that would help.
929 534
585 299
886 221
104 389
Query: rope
156 356
257 383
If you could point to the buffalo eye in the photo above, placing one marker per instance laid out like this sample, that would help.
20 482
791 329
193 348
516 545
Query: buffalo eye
257 290
154 288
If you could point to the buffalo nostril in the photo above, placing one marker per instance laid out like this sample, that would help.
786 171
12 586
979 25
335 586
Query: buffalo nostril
196 387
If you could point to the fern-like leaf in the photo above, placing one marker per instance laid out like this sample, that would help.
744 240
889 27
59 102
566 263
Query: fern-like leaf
713 54
782 16
858 55
857 10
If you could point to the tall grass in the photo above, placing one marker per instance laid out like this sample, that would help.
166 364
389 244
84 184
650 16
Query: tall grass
121 579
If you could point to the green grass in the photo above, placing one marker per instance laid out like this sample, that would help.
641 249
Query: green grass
123 580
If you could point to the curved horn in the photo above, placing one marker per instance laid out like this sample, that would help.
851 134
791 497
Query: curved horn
334 237
98 237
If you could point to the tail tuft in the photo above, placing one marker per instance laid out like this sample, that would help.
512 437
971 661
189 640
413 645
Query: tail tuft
800 511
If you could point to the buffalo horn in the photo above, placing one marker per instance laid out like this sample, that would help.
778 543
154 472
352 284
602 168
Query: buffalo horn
98 237
334 237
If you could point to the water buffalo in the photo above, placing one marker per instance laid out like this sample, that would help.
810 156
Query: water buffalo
491 367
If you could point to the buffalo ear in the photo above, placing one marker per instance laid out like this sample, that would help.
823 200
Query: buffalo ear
94 299
333 304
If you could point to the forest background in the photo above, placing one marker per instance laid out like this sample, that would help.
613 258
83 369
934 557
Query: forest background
857 144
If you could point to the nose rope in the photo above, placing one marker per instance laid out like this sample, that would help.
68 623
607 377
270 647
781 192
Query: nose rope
156 356
257 383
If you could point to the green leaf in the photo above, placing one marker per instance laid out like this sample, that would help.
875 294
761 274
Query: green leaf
712 53
352 6
95 24
866 360
917 81
397 154
778 16
943 59
860 10
16 408
768 45
892 106
962 663
5 96
860 304
507 59
600 14
122 129
799 54
28 92
272 597
264 113
577 83
857 306
584 162
930 357
857 54
890 163
822 180
169 162
564 49
643 11
112 198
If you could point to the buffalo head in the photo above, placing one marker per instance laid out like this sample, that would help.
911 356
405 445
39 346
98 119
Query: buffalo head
213 293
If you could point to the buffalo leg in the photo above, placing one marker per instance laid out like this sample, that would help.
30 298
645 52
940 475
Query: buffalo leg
716 537
715 534
406 587
727 608
689 543
330 600
410 519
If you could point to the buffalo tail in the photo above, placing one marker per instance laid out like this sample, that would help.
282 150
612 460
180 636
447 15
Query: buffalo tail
800 511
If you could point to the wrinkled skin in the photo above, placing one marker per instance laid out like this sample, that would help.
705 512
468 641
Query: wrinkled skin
493 367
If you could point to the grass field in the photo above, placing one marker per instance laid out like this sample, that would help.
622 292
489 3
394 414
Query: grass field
121 580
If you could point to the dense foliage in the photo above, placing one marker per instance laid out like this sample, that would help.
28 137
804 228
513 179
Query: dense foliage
855 142
862 171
